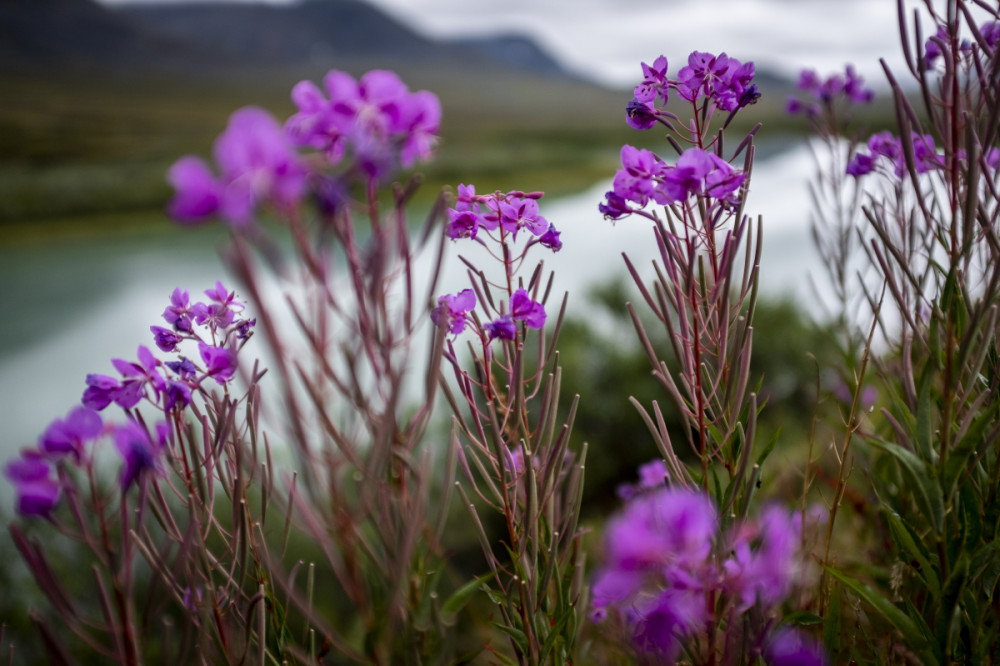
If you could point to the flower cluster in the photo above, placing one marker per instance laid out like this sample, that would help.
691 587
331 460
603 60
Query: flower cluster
510 212
375 119
940 43
885 147
257 165
718 80
826 93
453 310
68 441
644 177
663 560
169 384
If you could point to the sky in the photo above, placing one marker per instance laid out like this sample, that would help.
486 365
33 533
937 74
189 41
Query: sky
607 39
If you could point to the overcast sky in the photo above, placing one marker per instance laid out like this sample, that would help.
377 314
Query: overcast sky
608 38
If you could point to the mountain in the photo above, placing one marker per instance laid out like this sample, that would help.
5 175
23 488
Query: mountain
203 38
45 34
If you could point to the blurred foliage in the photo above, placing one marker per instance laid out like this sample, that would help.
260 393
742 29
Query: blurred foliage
603 362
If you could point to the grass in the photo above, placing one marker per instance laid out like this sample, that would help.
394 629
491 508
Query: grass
89 150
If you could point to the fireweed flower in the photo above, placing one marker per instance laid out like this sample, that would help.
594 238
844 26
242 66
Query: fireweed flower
848 87
725 81
789 647
136 376
765 564
503 328
100 392
256 164
453 309
141 456
550 239
658 566
220 362
522 308
883 146
178 313
37 491
67 436
375 118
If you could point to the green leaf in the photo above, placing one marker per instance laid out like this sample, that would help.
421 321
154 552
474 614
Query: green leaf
802 618
924 426
913 550
926 487
831 624
461 597
949 602
914 638
520 640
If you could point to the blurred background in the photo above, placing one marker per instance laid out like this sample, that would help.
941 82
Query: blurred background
97 99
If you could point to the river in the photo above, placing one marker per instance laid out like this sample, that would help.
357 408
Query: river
71 305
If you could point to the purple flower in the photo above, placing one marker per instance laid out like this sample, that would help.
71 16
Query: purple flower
178 313
452 310
101 391
614 206
790 647
654 82
550 239
517 213
37 491
724 80
135 377
764 566
176 394
503 328
183 368
848 86
699 173
861 164
638 178
141 455
220 362
67 436
198 194
641 115
658 552
220 312
165 339
376 118
461 224
652 475
256 165
522 308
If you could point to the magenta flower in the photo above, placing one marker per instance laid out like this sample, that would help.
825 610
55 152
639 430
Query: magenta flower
257 165
517 213
178 313
141 455
550 239
639 176
503 328
848 86
522 308
724 80
452 310
222 310
765 565
165 339
220 362
461 224
375 118
68 436
699 173
101 391
136 376
790 647
37 492
614 206
658 565
654 82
